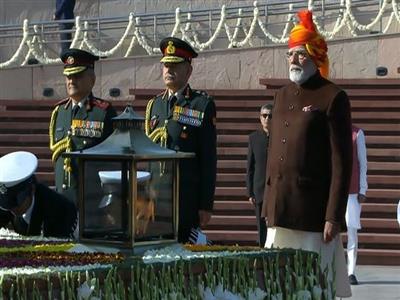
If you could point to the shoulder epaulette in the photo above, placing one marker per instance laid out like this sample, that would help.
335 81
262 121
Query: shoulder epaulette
204 93
162 94
61 102
100 103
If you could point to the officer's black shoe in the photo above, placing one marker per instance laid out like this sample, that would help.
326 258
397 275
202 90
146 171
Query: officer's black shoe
353 279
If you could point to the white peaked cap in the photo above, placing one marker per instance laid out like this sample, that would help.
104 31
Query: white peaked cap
15 167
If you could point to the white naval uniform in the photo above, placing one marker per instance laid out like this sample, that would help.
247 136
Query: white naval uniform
353 210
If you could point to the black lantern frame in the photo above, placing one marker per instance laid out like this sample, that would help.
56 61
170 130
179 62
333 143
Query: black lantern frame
123 154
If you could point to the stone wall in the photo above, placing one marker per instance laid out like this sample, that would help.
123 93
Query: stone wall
218 69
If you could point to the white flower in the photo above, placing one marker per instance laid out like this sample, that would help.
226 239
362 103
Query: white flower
257 294
177 252
278 296
208 295
52 269
222 294
303 295
218 294
172 296
316 292
84 291
6 234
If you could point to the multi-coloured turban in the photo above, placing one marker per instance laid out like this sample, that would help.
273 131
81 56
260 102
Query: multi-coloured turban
306 34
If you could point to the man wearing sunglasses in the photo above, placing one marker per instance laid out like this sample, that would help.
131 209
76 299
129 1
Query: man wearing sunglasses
30 207
310 157
256 165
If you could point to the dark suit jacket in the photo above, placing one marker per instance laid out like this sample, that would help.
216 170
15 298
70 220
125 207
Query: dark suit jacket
310 156
257 164
186 133
51 211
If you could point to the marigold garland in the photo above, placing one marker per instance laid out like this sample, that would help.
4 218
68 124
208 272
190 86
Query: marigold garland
20 252
45 259
40 247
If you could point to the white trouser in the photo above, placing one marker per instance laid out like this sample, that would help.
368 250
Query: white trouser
331 252
352 247
353 212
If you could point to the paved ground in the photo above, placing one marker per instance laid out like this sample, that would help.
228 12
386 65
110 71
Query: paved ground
377 283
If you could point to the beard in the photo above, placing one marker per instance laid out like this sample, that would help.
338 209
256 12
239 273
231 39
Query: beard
300 74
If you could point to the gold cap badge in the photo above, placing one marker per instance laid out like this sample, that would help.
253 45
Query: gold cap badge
170 47
70 60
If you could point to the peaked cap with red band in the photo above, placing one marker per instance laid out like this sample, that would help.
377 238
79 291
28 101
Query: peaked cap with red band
306 34
175 50
76 61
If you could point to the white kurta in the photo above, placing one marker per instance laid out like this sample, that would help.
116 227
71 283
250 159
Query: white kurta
353 209
398 213
313 241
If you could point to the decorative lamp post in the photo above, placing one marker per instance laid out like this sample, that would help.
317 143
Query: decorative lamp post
128 188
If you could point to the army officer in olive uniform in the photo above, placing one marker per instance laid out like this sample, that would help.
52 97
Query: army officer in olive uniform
79 121
183 119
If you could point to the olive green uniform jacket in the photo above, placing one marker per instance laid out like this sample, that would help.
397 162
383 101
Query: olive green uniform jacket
90 126
190 127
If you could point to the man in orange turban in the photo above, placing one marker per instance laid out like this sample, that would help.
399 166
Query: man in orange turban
305 35
310 157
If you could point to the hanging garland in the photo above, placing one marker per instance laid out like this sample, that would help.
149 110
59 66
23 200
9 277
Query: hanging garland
196 43
284 37
231 38
18 54
113 50
37 51
32 45
253 24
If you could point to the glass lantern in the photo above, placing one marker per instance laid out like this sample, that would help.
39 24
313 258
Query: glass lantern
128 188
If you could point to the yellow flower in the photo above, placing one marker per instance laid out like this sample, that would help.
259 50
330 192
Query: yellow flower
42 247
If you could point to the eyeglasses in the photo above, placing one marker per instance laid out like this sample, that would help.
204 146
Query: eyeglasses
266 116
301 54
